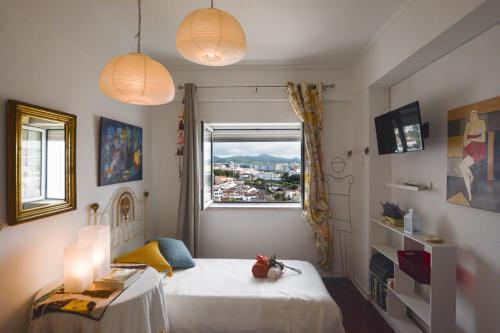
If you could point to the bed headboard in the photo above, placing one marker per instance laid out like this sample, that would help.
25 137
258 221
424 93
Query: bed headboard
125 213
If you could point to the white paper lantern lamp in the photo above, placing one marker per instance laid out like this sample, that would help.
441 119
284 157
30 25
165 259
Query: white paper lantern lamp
135 78
99 236
211 37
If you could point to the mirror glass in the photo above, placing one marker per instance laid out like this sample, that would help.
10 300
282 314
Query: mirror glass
42 162
41 178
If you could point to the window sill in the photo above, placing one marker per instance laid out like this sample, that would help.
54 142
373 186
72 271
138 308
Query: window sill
256 206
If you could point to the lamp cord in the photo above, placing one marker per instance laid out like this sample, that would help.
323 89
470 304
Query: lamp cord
139 21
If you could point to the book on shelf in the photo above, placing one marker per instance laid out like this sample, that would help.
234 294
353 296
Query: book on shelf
118 278
378 291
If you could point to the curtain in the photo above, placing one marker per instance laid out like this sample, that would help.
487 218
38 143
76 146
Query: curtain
190 194
306 100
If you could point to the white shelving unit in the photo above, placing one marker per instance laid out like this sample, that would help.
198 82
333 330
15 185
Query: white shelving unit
411 306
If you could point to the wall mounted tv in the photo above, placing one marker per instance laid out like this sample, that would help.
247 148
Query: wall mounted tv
401 130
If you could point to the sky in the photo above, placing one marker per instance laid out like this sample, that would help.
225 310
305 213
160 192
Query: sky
278 149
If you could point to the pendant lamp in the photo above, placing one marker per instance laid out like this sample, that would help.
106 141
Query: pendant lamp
211 37
135 78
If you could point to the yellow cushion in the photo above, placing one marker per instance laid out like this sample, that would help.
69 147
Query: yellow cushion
148 254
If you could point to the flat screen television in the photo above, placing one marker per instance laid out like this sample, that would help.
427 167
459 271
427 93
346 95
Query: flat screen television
400 130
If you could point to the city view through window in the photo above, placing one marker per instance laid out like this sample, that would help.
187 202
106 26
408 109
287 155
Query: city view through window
257 172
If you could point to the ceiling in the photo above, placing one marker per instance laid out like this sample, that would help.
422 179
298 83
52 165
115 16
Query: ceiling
313 33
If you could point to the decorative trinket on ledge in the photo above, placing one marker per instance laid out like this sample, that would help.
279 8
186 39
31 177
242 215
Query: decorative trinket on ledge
392 214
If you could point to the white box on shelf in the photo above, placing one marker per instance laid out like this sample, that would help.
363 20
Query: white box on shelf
412 223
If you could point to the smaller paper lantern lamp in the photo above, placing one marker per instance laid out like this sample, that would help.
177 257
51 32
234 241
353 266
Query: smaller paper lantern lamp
78 268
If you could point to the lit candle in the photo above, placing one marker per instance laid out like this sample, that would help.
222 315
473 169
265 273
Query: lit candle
99 236
78 270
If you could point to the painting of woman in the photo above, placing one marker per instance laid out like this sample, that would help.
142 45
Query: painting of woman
473 172
474 149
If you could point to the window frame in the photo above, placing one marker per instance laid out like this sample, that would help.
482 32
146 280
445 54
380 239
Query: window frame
43 165
251 204
206 202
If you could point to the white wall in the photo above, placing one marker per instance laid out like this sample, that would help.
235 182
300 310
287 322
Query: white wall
46 63
468 74
358 242
420 33
412 30
243 233
371 173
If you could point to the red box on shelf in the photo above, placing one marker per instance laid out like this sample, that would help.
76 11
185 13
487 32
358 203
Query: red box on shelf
416 264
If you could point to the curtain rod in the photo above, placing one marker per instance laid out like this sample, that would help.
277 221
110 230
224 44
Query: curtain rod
180 86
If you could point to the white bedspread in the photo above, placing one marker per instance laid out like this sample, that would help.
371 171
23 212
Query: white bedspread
221 295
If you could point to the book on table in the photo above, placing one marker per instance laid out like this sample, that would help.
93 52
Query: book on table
118 278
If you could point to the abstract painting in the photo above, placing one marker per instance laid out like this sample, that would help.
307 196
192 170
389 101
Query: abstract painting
120 152
474 155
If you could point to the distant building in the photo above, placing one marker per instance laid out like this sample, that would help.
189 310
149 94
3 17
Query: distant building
217 193
222 179
268 176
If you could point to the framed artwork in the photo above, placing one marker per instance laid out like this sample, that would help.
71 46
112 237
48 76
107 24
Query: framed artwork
474 155
120 152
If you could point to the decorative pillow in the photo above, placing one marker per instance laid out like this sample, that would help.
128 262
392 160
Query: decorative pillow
176 253
148 254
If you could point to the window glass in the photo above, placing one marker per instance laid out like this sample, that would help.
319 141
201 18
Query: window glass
55 164
255 166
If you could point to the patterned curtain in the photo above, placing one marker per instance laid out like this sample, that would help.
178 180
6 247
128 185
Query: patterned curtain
307 103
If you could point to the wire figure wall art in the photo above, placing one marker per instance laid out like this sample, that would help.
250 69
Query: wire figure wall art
339 190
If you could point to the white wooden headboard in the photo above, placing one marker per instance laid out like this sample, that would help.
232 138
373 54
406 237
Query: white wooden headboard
125 213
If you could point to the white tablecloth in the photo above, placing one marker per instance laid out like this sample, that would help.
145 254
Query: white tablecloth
139 309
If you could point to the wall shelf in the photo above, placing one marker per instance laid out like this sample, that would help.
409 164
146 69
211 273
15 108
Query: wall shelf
432 306
387 251
399 323
408 187
420 306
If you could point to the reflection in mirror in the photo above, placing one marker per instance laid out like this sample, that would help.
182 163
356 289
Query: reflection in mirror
42 162
41 168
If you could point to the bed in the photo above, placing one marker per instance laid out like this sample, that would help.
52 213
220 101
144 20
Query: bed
221 295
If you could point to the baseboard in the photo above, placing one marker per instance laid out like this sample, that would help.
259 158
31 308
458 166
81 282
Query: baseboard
359 286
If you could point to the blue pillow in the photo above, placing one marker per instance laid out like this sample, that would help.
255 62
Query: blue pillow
176 253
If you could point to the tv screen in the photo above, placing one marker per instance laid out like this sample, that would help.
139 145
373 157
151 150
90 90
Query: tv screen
400 131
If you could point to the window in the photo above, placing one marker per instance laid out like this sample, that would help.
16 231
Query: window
250 163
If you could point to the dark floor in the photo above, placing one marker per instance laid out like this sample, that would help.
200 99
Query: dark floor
359 314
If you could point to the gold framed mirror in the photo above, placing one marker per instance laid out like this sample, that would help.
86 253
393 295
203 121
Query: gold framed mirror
41 163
